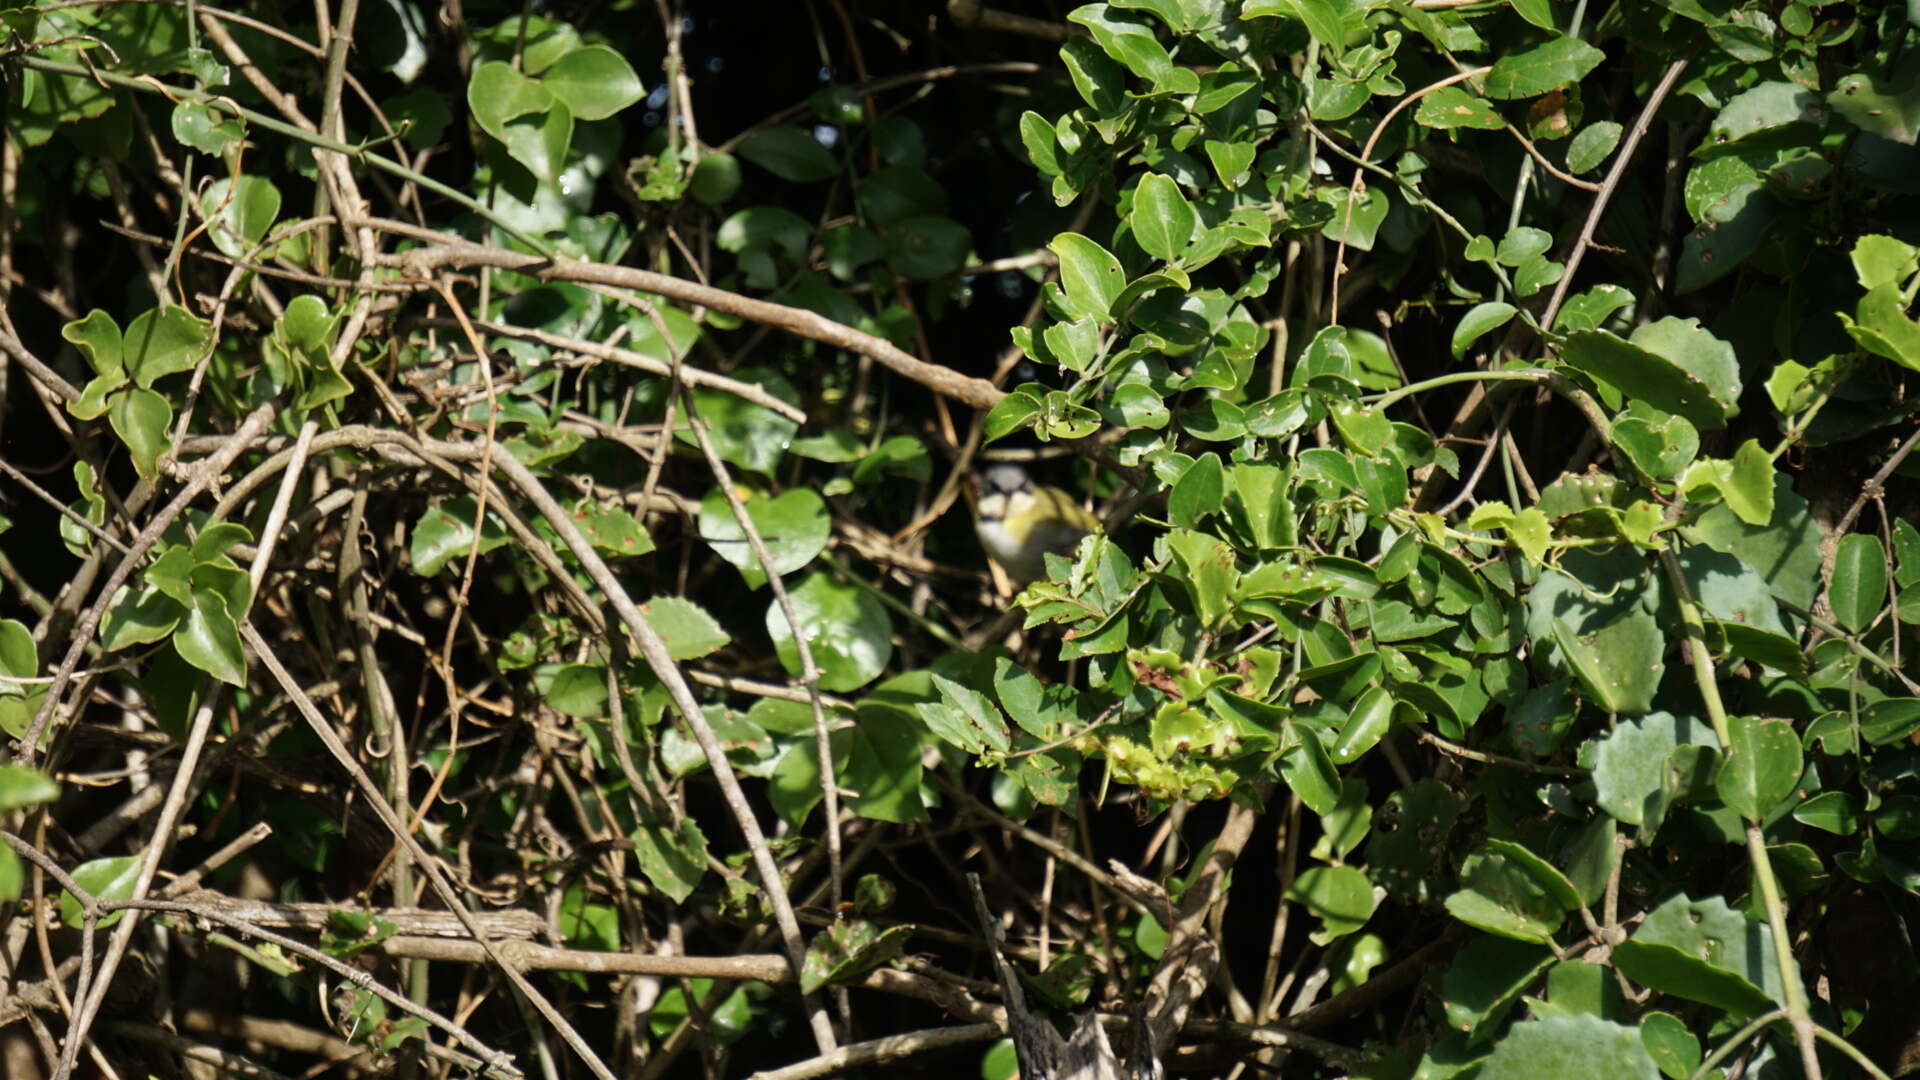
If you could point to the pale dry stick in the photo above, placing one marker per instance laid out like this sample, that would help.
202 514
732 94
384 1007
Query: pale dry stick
484 1055
809 671
422 859
447 250
743 390
231 850
1607 187
182 780
204 473
1360 180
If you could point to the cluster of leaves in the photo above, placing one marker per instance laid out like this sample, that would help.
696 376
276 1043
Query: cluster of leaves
1629 729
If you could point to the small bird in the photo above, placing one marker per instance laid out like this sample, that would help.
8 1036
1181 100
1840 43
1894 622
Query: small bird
1021 521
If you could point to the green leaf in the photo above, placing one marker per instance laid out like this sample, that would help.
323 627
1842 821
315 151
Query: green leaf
1672 1047
1889 720
1702 950
162 341
142 419
1881 326
1485 980
1672 364
1502 896
1131 43
139 617
1453 107
1483 317
687 629
1661 444
1359 222
674 860
790 153
23 786
1367 722
848 949
205 128
1043 149
1858 589
240 212
1630 765
746 434
1090 276
1762 767
578 690
1878 108
210 639
1102 83
1748 487
1592 146
1310 774
1570 1046
793 526
106 879
1834 811
1882 260
1198 492
1162 219
1620 663
445 533
594 82
1341 897
849 631
1551 65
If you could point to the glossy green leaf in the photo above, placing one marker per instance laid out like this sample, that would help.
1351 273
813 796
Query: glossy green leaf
793 526
1858 589
1487 977
105 879
1592 146
1704 951
790 153
1672 1047
1570 1046
21 785
1761 768
593 82
239 213
1477 321
849 632
1089 274
1367 722
1833 811
1162 218
143 420
686 628
209 639
1881 108
578 690
743 433
1341 897
445 533
1630 764
673 860
1551 65
1453 107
